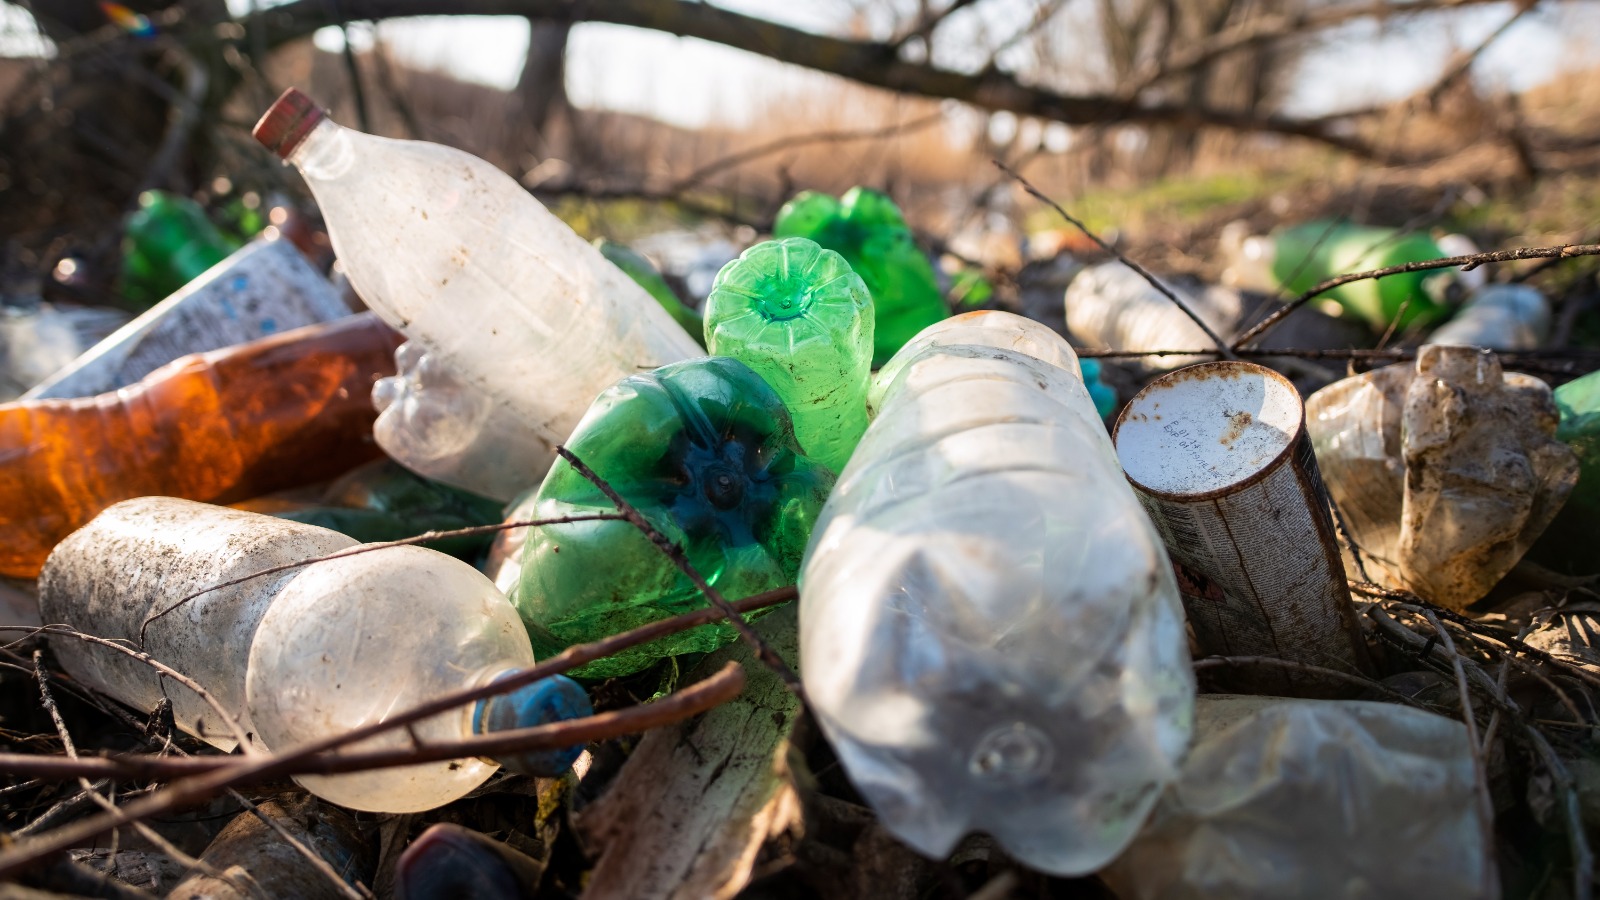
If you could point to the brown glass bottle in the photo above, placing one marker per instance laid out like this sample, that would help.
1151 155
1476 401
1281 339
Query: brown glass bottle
219 427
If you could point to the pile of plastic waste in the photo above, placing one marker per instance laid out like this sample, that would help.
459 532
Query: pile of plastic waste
1124 634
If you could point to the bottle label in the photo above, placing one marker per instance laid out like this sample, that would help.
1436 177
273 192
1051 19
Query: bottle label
263 289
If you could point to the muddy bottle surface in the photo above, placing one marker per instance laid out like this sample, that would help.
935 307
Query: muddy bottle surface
519 310
704 449
297 655
220 426
802 319
866 228
990 632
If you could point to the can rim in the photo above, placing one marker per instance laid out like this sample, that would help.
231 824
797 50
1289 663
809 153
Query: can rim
1207 370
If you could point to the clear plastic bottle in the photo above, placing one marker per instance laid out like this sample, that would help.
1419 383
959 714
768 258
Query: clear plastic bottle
1112 307
991 636
801 319
301 654
494 288
1499 317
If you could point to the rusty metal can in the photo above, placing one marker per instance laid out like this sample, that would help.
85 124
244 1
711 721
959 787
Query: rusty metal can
1218 456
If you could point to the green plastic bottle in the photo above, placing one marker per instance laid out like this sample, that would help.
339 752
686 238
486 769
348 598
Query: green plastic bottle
635 266
1571 543
866 228
802 319
1309 254
168 243
383 501
704 449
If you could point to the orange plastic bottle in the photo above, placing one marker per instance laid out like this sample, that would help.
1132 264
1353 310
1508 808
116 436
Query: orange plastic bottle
219 427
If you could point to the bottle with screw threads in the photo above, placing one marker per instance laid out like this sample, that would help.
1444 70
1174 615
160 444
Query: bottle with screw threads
301 654
222 427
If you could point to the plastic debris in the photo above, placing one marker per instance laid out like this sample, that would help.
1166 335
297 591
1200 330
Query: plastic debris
640 269
1219 458
306 653
1314 799
221 426
1445 472
168 243
1569 545
801 319
526 319
450 861
866 228
991 637
1111 307
1499 317
704 449
251 859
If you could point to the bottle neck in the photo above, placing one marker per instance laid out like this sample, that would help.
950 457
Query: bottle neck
326 154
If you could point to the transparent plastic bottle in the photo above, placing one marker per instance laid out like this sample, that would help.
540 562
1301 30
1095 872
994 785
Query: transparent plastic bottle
802 319
301 654
493 287
638 267
1112 307
1499 317
991 635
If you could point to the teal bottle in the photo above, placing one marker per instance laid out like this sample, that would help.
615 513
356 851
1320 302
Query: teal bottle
802 319
168 243
635 266
1105 399
866 228
1571 543
705 450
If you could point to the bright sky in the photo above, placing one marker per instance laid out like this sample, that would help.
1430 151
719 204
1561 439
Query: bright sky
693 83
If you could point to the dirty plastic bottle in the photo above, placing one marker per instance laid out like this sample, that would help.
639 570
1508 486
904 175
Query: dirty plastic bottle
301 654
991 635
222 426
705 451
640 269
1303 256
1569 544
249 858
1499 317
1111 307
525 316
1308 799
168 243
866 228
797 315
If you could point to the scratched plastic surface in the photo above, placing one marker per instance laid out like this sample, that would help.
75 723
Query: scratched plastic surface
220 426
991 636
502 295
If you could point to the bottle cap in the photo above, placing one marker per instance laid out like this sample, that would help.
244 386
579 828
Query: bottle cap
287 122
544 702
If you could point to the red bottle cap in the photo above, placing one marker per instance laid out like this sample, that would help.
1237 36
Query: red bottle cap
287 122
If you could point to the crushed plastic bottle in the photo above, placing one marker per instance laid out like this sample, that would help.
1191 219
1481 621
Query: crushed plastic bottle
866 228
798 316
168 242
1569 544
640 269
524 317
704 449
1303 256
302 654
221 426
1498 317
1111 307
1314 799
1445 471
991 636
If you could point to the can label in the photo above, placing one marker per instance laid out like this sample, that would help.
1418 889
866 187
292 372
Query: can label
1219 458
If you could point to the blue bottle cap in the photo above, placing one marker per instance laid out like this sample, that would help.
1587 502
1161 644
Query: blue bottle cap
548 700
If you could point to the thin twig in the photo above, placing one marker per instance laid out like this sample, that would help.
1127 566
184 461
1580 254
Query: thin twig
1223 349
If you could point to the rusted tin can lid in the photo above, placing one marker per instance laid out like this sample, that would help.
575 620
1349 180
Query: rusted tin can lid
1207 430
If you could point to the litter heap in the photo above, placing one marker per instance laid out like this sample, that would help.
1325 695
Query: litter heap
1002 606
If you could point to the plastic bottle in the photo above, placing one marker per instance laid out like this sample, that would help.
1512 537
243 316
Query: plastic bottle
524 315
705 451
866 228
301 654
36 341
1103 395
991 635
637 267
168 243
1499 317
1569 544
222 426
797 315
250 859
1111 307
1305 255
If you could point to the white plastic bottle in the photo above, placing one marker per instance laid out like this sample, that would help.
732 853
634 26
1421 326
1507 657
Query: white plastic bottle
296 655
1499 317
476 272
991 635
1112 307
